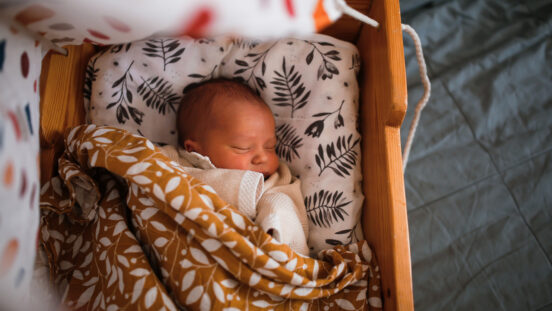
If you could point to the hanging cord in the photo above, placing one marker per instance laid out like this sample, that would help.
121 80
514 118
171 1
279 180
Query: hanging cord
342 5
346 9
427 90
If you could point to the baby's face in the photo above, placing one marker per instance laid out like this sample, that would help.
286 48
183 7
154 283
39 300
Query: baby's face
242 137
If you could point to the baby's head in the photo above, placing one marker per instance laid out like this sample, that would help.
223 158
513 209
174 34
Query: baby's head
226 121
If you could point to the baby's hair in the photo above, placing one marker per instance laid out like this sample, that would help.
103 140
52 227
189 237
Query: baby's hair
198 101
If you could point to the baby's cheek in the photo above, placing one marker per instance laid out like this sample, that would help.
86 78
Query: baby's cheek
274 163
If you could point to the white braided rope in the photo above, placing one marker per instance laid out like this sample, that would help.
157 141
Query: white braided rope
427 90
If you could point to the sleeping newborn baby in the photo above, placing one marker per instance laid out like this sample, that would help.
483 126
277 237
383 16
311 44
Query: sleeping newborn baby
227 140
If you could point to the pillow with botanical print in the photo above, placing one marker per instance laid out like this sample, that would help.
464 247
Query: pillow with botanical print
309 83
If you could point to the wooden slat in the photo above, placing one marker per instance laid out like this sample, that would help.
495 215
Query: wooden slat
383 106
61 102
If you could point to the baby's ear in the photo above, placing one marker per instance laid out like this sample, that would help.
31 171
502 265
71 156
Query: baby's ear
192 146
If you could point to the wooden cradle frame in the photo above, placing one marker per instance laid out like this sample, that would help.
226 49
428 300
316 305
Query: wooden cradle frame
382 109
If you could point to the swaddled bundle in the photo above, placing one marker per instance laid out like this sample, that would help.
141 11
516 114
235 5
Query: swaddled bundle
225 122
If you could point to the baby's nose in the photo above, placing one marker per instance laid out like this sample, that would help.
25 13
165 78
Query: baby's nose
260 157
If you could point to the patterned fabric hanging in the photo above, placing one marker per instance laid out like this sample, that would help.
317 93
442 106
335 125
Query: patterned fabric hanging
110 22
20 64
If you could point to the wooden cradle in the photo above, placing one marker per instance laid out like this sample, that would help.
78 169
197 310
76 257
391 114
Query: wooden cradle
382 109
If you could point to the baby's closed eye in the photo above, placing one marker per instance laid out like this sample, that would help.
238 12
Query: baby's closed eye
240 149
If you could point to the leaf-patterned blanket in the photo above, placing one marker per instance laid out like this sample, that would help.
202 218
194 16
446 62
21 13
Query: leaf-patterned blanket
125 228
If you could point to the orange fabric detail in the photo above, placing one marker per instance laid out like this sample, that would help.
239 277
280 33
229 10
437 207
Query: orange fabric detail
8 256
33 13
321 18
8 174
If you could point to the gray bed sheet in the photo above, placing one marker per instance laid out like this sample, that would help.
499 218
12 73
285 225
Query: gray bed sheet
479 180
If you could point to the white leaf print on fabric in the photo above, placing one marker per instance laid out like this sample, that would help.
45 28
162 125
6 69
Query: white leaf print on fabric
146 201
254 279
148 212
271 264
199 255
133 249
188 280
141 180
120 226
209 188
211 245
344 304
85 296
212 230
192 213
158 192
76 246
290 266
86 146
185 263
194 295
139 272
126 159
366 252
123 260
265 272
97 301
150 297
87 260
230 244
78 275
303 291
113 307
375 302
164 166
221 262
101 131
219 293
92 281
238 220
93 159
172 184
105 241
230 283
138 168
176 203
207 201
121 280
261 303
103 140
113 277
160 242
167 302
296 279
205 304
159 226
137 290
72 133
278 255
133 150
286 289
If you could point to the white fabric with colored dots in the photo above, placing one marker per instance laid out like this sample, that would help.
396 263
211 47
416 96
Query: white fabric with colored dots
20 64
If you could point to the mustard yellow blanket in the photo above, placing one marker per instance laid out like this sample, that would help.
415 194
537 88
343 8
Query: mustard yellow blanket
125 228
